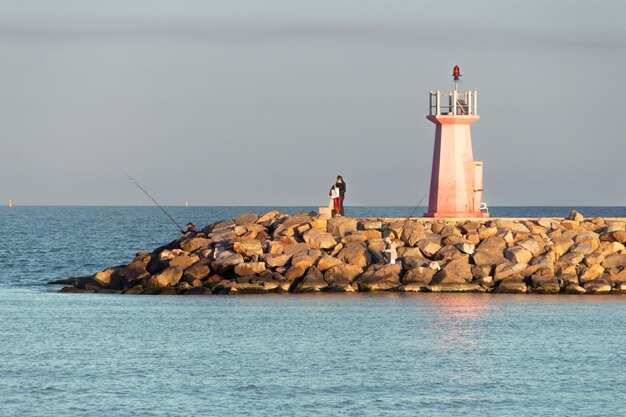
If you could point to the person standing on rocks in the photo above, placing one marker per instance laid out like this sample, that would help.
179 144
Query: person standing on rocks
337 193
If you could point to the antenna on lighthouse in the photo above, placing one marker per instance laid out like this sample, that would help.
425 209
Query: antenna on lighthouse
456 73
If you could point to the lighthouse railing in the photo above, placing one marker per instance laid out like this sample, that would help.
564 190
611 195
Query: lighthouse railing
457 103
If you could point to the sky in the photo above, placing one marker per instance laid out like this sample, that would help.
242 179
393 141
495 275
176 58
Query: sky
232 102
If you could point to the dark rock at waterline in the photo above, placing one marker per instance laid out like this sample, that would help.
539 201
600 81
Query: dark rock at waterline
380 278
312 281
67 281
156 265
511 286
73 289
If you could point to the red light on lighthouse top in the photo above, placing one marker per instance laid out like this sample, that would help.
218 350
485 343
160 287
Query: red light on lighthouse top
456 73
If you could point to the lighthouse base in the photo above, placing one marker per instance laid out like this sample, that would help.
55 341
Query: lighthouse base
457 215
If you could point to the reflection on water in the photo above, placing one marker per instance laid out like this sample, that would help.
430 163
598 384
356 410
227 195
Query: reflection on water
460 320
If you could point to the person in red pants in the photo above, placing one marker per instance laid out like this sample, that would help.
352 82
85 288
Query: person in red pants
337 193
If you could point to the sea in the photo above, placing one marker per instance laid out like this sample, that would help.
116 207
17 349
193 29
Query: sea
377 354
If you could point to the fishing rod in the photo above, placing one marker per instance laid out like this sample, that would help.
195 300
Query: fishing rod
413 212
155 202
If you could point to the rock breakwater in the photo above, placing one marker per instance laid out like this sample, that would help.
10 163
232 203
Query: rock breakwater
303 253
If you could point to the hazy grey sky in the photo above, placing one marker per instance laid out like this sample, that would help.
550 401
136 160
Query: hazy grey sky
264 102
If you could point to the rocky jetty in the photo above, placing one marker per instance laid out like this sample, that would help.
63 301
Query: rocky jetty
304 253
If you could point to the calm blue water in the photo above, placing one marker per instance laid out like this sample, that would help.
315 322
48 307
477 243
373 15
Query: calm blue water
372 355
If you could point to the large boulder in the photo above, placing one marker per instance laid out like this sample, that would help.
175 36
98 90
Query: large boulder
196 272
133 273
547 286
406 251
223 235
485 232
275 261
469 226
412 233
589 237
109 278
481 271
252 231
513 225
428 247
274 247
352 237
304 260
561 245
355 253
341 226
223 225
593 259
156 265
573 225
168 277
409 262
614 236
249 268
368 224
418 275
506 235
293 248
486 257
270 217
571 258
246 218
546 260
610 248
312 281
380 277
493 244
509 271
340 277
184 261
295 272
448 253
318 239
591 273
248 247
326 262
195 243
509 286
615 261
582 248
597 286
473 237
226 260
455 271
253 284
368 235
574 289
575 216
518 254
465 246
450 230
289 225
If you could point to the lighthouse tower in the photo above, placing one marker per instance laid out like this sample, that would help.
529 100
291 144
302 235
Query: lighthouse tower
456 182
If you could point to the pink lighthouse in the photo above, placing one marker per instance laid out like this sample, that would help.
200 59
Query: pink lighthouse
456 182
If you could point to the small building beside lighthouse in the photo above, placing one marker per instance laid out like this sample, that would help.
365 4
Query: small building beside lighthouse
456 182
